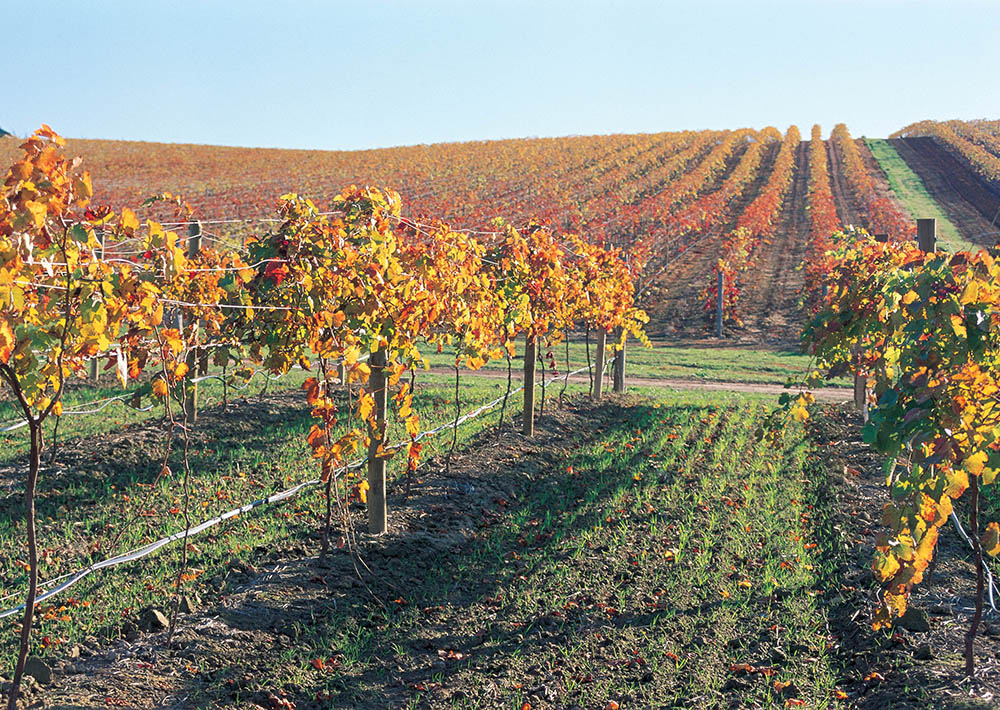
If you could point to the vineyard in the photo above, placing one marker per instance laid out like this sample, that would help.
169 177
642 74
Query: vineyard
518 423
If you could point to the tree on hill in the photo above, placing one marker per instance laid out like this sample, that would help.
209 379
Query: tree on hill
5 133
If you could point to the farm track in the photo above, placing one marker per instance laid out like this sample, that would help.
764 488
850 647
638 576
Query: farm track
969 203
847 207
771 305
680 311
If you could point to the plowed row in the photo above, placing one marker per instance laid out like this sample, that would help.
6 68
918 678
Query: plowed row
970 203
624 189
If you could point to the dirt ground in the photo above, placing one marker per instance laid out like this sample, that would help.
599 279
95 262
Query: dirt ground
970 204
252 626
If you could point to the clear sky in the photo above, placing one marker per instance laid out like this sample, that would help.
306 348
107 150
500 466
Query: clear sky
369 73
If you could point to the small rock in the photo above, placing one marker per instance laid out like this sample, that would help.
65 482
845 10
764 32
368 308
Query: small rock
735 684
153 620
915 620
188 605
74 652
778 656
130 631
39 670
923 652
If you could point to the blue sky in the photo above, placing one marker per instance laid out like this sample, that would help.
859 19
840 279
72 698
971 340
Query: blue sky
370 73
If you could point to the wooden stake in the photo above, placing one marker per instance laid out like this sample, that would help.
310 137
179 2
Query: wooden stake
602 342
860 388
93 363
719 304
191 388
528 425
194 353
377 512
619 370
927 234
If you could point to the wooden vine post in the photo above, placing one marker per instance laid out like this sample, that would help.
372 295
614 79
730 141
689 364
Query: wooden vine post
191 390
92 370
927 234
860 387
530 348
619 370
377 512
719 303
602 343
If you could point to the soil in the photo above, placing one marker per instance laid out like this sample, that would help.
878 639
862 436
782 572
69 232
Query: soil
968 201
848 210
905 678
770 305
225 648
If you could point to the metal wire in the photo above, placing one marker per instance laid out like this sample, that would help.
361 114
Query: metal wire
72 578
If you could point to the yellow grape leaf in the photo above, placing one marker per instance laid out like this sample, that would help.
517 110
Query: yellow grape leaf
958 482
988 475
958 326
991 540
970 294
800 413
975 463
365 406
159 387
38 212
83 187
128 220
6 340
909 297
413 425
886 566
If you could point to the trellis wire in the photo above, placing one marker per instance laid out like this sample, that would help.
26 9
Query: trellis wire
139 553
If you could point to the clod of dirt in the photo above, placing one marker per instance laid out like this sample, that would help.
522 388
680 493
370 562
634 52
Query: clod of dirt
188 605
789 691
923 652
39 670
153 620
914 619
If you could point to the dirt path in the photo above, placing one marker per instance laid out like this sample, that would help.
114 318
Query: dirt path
847 207
771 309
826 394
969 203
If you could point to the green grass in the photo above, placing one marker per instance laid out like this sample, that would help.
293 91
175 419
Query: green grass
910 190
236 457
120 414
641 562
679 362
673 362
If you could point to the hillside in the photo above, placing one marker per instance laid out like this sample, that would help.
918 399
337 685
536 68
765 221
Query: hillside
678 196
